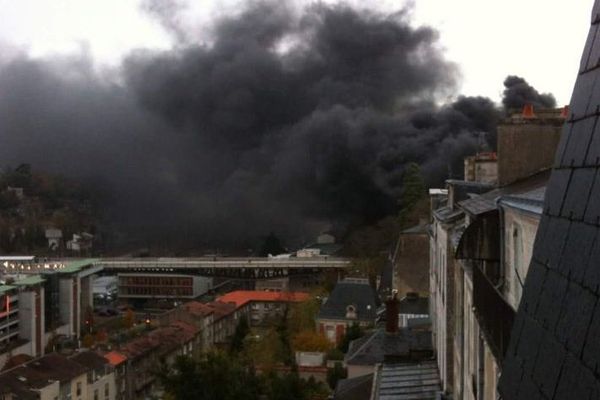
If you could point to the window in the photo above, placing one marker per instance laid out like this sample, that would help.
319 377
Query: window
96 394
78 388
106 391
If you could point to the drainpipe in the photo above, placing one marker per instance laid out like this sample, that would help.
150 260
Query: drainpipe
481 370
502 248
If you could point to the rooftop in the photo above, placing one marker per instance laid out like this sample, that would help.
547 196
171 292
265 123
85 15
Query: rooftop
90 360
347 293
115 358
78 265
358 388
419 381
414 305
379 346
242 297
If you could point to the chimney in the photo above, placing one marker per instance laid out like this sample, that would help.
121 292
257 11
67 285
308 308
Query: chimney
527 144
391 314
528 111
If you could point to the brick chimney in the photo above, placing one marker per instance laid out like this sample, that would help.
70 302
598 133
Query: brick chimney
527 143
391 314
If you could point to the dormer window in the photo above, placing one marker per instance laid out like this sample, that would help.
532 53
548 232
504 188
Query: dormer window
351 312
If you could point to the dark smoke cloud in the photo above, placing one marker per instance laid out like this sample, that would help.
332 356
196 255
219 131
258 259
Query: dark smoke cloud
287 121
517 93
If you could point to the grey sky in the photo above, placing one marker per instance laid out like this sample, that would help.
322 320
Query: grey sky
540 40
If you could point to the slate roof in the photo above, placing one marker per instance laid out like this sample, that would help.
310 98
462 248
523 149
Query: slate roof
554 352
358 388
380 346
346 293
407 381
527 189
446 214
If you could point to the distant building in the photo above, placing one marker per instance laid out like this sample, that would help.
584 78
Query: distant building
413 307
352 301
81 242
146 286
482 167
480 246
410 261
262 306
54 237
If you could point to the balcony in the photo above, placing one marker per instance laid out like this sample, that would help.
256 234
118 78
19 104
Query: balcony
494 314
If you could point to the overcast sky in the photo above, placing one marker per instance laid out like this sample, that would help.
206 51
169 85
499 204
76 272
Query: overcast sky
540 40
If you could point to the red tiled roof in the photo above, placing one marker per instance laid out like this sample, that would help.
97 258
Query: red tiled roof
242 297
198 309
16 360
115 358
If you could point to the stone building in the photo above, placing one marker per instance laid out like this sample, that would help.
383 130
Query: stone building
480 244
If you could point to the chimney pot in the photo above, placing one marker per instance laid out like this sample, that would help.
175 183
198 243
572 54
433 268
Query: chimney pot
528 111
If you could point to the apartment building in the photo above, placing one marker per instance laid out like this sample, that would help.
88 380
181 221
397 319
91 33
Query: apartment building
480 247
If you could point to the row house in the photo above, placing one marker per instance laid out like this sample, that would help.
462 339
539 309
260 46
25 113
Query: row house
137 360
481 237
262 306
84 376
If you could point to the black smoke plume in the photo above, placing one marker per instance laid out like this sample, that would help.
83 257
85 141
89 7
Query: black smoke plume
517 93
286 121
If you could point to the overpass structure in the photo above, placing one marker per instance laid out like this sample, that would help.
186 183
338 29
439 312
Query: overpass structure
225 267
220 267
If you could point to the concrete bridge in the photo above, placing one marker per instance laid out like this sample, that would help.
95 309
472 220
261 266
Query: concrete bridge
225 267
220 267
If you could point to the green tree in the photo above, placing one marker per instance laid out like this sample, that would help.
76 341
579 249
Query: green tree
241 331
216 377
353 332
335 374
413 193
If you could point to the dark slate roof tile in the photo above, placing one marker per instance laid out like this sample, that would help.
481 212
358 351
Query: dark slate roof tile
528 345
591 349
534 283
548 365
577 250
528 390
563 143
594 55
552 296
568 384
551 241
557 187
593 106
587 50
572 327
592 212
593 155
580 136
595 13
591 278
512 374
582 93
